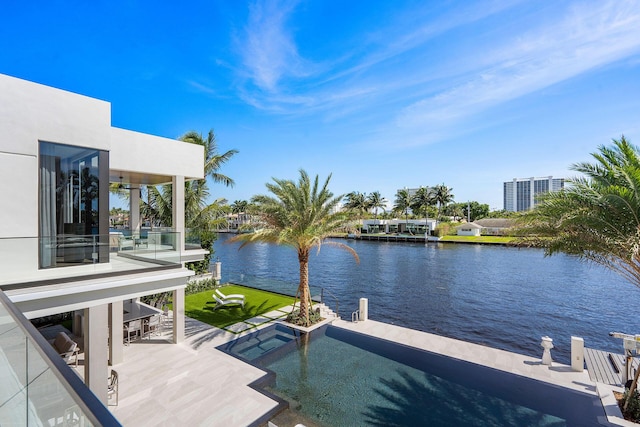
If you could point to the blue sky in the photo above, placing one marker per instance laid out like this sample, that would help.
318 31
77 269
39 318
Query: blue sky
382 94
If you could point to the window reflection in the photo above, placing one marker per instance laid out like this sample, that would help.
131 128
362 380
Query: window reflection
70 211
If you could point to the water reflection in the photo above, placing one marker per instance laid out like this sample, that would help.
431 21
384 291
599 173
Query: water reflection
503 297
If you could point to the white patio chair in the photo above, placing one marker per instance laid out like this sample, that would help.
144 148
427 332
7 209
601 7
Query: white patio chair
112 388
164 317
151 326
229 301
230 296
131 328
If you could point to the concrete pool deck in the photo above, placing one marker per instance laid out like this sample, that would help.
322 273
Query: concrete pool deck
193 383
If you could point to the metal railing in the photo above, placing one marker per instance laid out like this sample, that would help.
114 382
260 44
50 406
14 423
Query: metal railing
335 298
355 316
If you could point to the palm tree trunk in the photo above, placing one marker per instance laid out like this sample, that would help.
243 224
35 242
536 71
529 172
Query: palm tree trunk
426 222
406 221
634 384
303 287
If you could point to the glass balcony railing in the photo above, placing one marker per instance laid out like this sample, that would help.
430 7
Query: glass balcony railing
192 240
34 259
38 388
191 237
152 245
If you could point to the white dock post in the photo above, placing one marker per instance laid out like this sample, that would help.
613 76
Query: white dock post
577 354
364 309
547 345
217 272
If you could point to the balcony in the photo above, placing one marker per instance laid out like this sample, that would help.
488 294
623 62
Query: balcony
38 388
74 257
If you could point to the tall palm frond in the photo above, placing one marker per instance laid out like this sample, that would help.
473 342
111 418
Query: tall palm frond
375 201
213 161
403 203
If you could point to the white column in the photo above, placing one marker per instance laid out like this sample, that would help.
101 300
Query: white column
134 210
115 333
96 370
178 315
577 354
177 207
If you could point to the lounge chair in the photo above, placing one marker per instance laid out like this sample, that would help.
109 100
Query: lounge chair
230 296
227 301
66 347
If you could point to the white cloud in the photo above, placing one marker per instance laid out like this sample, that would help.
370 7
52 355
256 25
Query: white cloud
416 98
590 36
269 51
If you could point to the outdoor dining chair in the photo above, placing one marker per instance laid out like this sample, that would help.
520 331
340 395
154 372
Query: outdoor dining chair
151 326
131 328
112 387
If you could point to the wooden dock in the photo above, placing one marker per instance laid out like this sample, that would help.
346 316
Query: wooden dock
606 367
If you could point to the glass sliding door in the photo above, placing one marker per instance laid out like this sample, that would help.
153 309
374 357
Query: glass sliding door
73 211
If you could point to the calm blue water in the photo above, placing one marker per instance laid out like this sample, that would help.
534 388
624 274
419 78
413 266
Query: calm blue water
502 297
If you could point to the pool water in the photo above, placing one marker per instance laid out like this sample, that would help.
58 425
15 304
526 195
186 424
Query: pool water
336 377
261 343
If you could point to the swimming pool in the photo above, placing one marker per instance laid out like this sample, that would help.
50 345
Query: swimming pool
337 377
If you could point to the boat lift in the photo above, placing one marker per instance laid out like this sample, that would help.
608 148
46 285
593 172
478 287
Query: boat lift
631 344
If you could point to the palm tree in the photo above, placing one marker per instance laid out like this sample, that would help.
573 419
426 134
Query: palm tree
299 215
442 196
239 206
212 160
403 203
357 202
200 217
597 217
422 201
455 210
376 201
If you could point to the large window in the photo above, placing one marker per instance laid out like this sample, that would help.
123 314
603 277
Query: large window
73 205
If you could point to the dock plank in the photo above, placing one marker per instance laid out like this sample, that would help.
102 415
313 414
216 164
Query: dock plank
600 366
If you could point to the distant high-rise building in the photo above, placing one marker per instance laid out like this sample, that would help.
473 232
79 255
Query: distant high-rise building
521 193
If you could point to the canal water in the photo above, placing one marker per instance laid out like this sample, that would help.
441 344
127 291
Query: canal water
503 297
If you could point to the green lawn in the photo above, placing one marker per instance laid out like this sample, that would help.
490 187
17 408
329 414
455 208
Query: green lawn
200 306
480 239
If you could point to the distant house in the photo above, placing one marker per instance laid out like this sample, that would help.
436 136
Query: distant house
402 226
495 226
469 229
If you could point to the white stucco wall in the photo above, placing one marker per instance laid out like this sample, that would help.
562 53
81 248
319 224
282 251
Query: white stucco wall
153 155
29 113
462 231
19 212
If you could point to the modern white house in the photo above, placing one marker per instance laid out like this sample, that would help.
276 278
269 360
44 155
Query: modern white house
412 226
58 154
